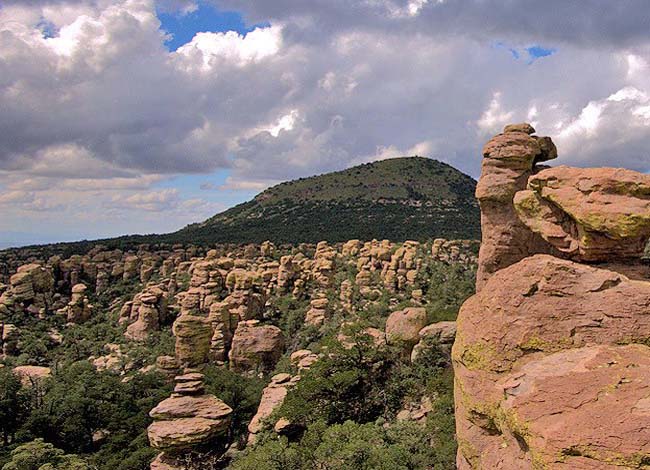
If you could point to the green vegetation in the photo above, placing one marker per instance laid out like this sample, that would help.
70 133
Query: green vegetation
396 199
346 406
343 412
408 198
39 455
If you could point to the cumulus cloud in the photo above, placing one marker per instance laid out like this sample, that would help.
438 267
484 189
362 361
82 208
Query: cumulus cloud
98 114
210 50
29 201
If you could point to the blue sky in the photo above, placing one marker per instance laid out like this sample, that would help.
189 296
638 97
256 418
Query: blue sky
182 27
529 53
207 17
304 88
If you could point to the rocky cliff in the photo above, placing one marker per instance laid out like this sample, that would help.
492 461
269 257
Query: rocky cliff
551 355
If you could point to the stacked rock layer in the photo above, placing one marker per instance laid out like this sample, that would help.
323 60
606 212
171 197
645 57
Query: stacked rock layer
551 355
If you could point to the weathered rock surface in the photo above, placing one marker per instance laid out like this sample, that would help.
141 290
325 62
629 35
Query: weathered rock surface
545 304
273 396
441 335
404 326
149 309
78 309
591 214
551 356
32 375
508 161
193 334
256 347
185 421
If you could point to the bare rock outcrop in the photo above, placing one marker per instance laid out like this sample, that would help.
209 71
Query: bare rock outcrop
9 340
193 334
590 214
508 161
403 327
551 356
273 396
188 420
79 308
32 376
256 347
318 311
30 290
148 309
440 335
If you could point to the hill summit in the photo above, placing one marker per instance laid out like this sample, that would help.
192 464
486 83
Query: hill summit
397 199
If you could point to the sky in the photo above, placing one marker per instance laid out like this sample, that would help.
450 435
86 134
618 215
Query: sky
141 116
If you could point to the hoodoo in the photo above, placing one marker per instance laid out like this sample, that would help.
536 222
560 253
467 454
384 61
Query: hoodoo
551 355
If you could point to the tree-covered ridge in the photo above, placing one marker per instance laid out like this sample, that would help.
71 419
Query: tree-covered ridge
408 198
412 178
397 199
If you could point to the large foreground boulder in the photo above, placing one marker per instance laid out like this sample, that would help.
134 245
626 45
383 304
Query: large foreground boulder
591 214
551 356
551 369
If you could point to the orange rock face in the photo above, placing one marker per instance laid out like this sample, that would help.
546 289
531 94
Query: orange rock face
548 370
591 214
256 347
551 356
508 160
404 326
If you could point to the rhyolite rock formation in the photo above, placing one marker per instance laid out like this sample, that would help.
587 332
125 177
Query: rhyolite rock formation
592 214
256 347
403 327
551 355
509 159
441 335
189 420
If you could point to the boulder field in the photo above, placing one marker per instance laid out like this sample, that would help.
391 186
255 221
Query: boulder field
552 356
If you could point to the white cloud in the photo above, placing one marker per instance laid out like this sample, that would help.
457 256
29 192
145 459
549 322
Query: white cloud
210 50
234 184
285 123
421 149
29 201
154 201
97 113
494 117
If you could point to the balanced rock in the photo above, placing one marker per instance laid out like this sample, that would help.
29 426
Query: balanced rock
186 421
149 308
508 161
551 359
78 309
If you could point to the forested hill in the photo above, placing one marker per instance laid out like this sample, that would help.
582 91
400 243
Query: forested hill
407 198
396 199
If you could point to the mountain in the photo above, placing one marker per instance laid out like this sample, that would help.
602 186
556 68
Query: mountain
398 199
